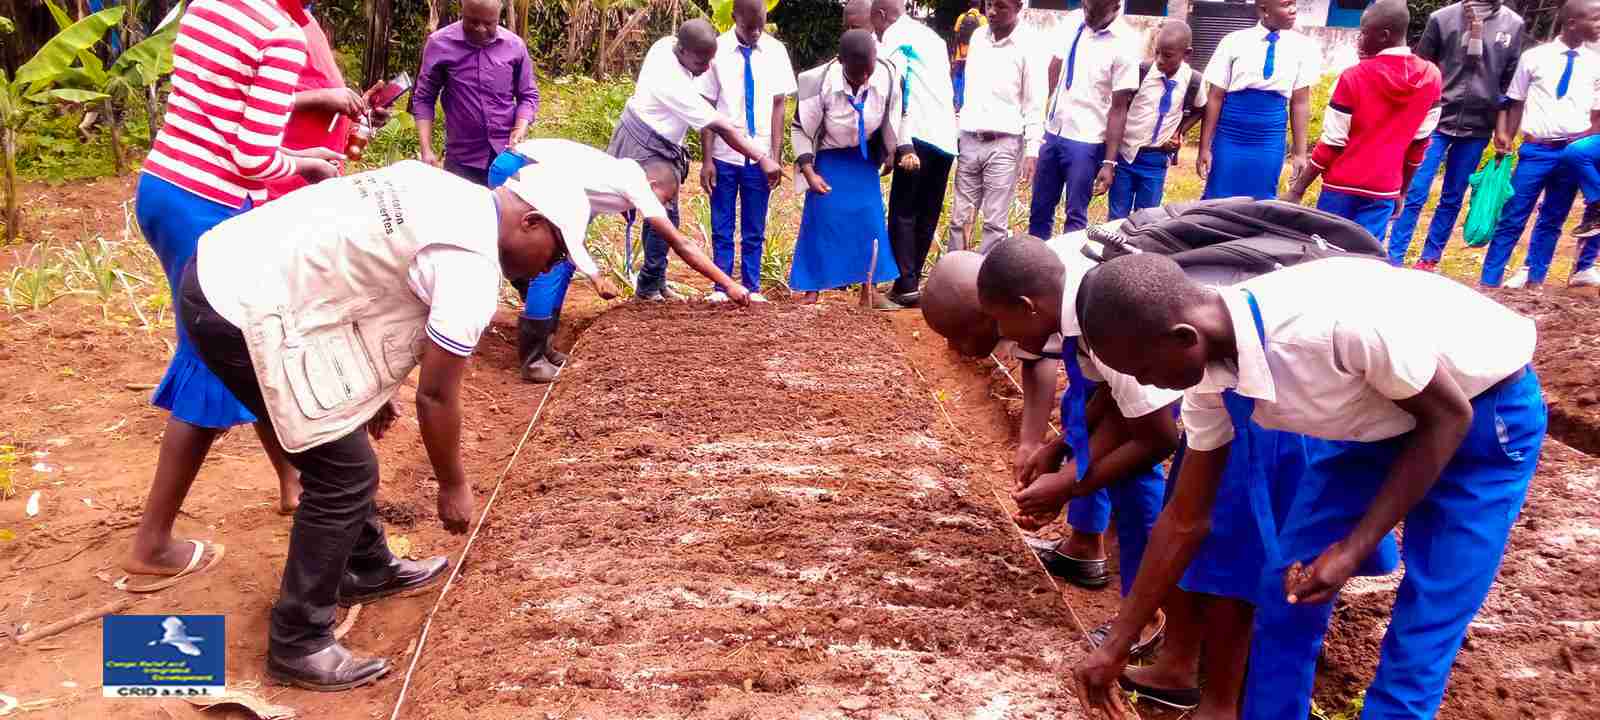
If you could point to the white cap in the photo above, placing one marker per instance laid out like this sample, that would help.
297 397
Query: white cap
563 203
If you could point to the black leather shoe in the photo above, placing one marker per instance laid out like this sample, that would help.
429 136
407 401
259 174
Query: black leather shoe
330 669
1087 574
400 576
909 299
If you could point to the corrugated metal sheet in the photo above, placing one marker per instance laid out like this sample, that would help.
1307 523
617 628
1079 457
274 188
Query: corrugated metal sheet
1210 21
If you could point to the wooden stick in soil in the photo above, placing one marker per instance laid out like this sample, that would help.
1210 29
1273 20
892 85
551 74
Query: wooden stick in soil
868 289
61 626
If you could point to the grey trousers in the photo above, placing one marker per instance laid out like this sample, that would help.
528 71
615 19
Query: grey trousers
986 182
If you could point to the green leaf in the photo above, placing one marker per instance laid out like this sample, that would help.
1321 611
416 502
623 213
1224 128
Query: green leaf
71 95
7 535
149 60
60 51
63 20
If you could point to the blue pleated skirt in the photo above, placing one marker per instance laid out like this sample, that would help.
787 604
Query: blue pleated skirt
839 230
172 220
1248 149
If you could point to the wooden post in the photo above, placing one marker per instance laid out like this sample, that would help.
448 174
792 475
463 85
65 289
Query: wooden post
375 59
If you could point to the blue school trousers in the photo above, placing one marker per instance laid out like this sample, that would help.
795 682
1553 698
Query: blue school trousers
1454 540
1134 501
1063 165
1460 157
1370 213
1583 160
1539 171
548 291
1137 185
747 186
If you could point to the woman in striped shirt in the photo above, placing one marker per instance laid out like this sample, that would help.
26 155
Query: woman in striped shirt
235 67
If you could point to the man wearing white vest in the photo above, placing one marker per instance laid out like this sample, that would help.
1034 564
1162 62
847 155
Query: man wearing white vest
313 310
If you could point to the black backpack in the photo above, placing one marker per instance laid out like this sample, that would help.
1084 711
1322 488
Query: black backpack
1229 239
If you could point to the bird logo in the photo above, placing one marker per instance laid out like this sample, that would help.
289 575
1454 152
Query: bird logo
174 633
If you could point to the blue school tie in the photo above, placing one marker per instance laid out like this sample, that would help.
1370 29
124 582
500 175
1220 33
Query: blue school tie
905 79
749 91
1163 107
861 122
1072 56
1566 75
1272 52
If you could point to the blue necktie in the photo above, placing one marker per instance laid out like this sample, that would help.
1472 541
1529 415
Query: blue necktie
1162 108
861 122
1072 56
905 78
749 92
1566 75
1272 52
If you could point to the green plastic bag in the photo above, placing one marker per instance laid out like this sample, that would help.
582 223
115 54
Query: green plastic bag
1491 188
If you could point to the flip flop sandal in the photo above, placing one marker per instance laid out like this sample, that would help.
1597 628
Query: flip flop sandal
1175 698
1141 649
192 569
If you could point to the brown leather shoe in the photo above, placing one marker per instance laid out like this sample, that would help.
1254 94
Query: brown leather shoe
330 669
400 576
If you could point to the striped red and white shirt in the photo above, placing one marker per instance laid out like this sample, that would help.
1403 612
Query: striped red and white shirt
234 69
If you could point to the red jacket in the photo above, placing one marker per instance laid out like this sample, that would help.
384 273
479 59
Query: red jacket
1380 116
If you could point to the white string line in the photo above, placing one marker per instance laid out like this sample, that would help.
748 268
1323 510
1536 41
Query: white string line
422 639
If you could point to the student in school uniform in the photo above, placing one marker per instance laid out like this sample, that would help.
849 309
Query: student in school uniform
1475 44
1554 99
966 25
750 80
1419 420
1375 129
1260 79
1001 124
1094 73
928 123
845 130
613 185
666 103
1167 104
1582 158
1130 427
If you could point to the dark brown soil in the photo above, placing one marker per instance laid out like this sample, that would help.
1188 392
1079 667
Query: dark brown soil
1568 360
724 513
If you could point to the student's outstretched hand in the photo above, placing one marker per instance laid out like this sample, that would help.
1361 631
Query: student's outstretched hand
910 162
606 289
1322 579
455 506
773 170
1096 683
1044 460
739 295
708 177
1202 164
817 184
1046 495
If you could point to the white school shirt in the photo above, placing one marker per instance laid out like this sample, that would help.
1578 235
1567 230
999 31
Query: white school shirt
1335 360
667 98
831 112
1146 107
1240 61
458 278
1007 85
723 84
930 106
614 185
1133 400
1544 116
1107 62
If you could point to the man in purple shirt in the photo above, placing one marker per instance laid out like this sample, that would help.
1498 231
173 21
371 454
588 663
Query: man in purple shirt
490 96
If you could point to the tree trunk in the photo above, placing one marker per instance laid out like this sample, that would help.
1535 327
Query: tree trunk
375 59
433 16
600 48
152 107
8 144
114 116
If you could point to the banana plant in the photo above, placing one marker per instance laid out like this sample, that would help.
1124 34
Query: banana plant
140 67
34 84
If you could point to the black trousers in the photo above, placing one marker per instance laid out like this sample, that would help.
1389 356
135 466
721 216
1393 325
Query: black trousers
336 527
916 199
